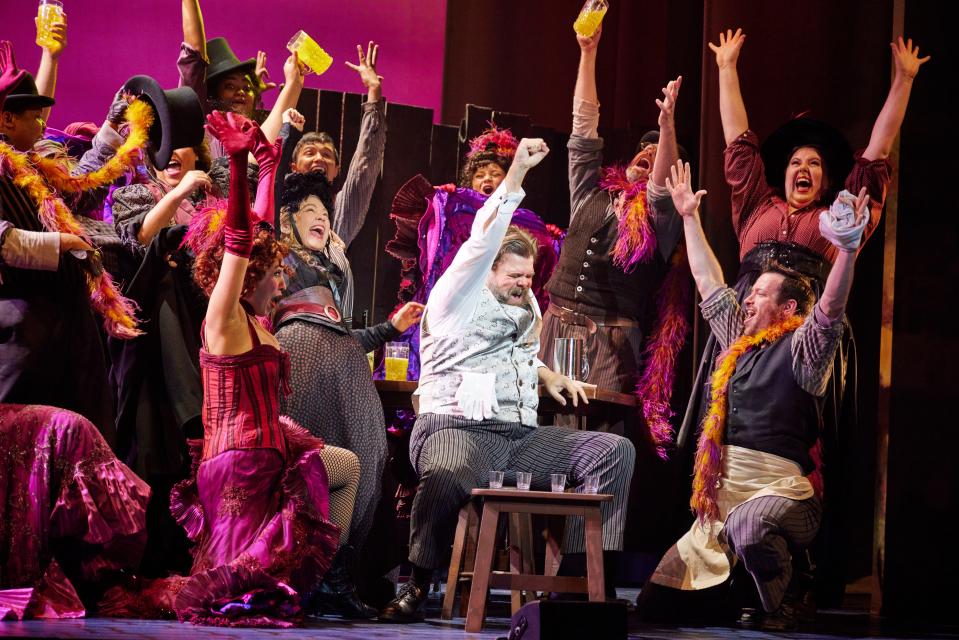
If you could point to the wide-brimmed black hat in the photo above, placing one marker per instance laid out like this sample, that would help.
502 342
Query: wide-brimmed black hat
179 117
224 61
24 95
802 132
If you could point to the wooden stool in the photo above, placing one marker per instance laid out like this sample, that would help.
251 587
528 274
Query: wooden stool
513 501
460 574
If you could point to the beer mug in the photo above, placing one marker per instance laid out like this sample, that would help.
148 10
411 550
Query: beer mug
569 358
310 53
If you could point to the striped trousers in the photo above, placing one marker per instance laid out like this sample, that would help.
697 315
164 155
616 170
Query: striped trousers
453 455
764 532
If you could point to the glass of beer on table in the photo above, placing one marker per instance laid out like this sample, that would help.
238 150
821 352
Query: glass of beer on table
397 360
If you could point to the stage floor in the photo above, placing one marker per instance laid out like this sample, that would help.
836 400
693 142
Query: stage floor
831 624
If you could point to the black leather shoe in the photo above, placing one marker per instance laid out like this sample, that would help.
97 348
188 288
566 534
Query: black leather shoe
405 607
782 619
337 594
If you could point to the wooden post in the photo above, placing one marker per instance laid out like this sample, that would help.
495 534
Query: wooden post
885 355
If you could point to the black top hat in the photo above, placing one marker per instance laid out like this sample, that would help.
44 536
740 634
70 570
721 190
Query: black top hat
23 95
179 117
224 61
802 132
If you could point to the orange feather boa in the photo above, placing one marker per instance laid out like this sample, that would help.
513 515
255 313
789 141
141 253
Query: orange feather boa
41 178
709 450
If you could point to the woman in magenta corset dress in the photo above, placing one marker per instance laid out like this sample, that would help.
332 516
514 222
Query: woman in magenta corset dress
257 506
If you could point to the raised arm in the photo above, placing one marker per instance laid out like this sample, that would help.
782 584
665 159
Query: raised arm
294 73
225 318
667 225
702 261
732 110
456 292
49 61
164 210
907 63
667 152
846 235
353 200
193 33
585 145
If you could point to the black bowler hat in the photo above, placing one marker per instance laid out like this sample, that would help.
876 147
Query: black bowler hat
23 95
652 137
179 117
807 132
224 61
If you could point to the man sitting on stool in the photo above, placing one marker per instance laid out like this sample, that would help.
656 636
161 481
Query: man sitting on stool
478 393
752 493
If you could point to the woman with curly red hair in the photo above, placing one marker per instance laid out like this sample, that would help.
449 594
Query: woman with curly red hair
257 504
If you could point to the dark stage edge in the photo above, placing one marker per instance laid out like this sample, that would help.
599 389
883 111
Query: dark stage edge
831 624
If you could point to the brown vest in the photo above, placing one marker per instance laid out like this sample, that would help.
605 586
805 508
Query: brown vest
586 281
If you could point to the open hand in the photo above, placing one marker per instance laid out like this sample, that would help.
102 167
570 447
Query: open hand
261 73
727 52
590 44
408 315
906 58
237 133
667 105
367 66
9 74
556 384
680 188
530 153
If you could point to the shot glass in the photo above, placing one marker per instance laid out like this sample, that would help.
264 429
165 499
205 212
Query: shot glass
557 482
523 480
592 483
495 479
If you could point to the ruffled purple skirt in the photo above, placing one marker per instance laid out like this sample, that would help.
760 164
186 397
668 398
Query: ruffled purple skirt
262 533
62 487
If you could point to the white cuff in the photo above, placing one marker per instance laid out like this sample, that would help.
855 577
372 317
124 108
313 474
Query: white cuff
32 250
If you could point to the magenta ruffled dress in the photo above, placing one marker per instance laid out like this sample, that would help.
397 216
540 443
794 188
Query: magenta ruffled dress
256 505
62 493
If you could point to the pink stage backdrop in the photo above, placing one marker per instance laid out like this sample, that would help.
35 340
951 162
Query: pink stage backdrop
110 41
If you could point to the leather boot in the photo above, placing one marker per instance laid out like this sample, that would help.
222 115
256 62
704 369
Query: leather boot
337 594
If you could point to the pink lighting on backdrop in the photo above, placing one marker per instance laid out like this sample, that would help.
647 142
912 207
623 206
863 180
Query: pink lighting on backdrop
110 41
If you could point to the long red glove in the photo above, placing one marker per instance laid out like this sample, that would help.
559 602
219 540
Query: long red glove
238 135
268 158
9 74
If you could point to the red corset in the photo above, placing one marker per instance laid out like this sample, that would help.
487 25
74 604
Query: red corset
241 398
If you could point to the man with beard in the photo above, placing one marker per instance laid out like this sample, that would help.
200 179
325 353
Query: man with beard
755 495
622 233
478 393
